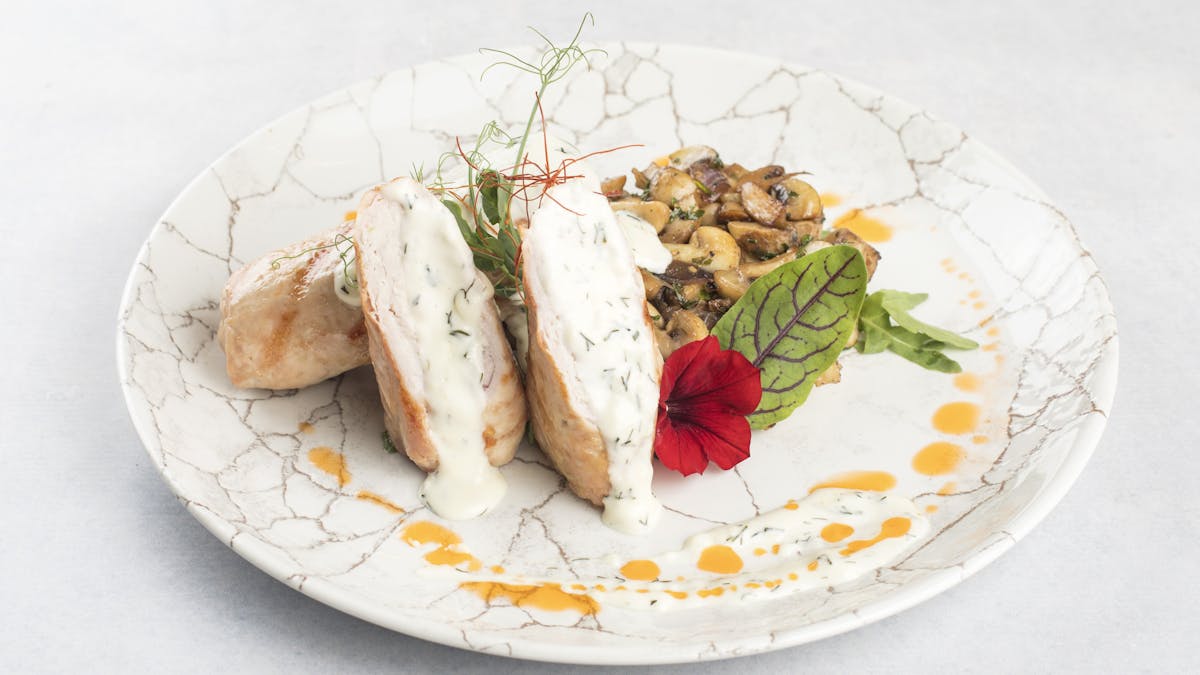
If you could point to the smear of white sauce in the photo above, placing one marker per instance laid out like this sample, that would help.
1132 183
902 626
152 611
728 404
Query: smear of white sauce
436 302
594 302
648 251
796 530
782 550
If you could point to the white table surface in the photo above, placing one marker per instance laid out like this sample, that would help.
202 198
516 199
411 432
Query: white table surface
108 110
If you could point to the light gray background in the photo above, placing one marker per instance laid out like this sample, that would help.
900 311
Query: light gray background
108 110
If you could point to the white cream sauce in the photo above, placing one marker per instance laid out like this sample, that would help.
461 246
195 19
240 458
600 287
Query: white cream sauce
594 304
831 537
433 311
648 252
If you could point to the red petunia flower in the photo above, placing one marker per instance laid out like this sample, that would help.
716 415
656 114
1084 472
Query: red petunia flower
705 395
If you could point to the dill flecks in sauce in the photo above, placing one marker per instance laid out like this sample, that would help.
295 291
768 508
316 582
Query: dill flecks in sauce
435 305
586 269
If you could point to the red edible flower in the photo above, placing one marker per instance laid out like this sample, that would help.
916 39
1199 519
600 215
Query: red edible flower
705 395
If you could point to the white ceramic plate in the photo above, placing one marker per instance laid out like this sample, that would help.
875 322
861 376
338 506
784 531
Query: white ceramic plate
952 219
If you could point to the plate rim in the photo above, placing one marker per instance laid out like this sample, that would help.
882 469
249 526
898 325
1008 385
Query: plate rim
1089 430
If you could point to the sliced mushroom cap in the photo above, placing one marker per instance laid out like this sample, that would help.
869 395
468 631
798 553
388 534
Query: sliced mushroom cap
805 229
684 327
870 254
832 375
764 177
686 156
754 270
678 231
761 206
709 248
731 210
674 187
613 186
762 241
710 180
655 213
731 284
651 283
800 199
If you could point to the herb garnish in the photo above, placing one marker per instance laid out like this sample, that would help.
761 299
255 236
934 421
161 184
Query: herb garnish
885 323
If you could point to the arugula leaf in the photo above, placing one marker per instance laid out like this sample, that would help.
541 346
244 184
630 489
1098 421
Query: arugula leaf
793 322
898 303
910 338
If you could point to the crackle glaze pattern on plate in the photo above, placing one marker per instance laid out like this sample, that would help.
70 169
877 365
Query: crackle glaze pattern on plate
1000 262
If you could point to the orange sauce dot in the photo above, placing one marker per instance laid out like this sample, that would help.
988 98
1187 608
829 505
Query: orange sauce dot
791 505
600 588
331 462
719 559
350 215
937 459
830 199
643 590
640 570
753 584
760 551
979 304
991 346
947 489
793 576
772 583
812 566
678 595
931 508
979 440
870 229
378 499
956 418
424 532
578 587
547 597
710 592
946 262
964 275
775 549
891 528
307 428
872 481
993 331
496 569
967 381
835 532
974 294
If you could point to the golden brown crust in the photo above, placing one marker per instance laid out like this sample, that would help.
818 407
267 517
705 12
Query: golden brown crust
572 443
282 325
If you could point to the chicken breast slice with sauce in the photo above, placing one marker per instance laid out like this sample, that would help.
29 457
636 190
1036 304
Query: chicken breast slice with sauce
451 394
593 366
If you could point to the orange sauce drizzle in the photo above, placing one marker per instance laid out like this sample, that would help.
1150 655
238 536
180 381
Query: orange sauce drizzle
331 462
380 500
640 570
892 528
835 532
549 597
871 481
870 229
424 532
956 418
719 559
937 459
968 381
830 199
